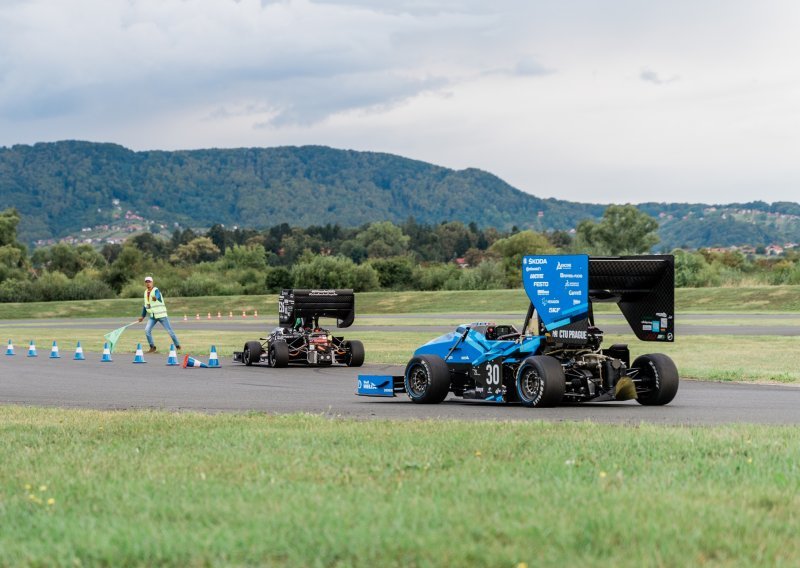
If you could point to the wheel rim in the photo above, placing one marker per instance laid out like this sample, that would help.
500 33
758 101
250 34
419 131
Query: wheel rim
531 385
417 381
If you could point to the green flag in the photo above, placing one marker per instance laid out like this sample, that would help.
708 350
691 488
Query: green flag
113 337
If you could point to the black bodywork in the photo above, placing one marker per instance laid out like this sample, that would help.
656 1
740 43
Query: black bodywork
299 337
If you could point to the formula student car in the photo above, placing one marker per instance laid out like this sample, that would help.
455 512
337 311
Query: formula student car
300 339
556 357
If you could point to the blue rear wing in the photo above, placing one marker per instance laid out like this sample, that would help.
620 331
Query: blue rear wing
561 289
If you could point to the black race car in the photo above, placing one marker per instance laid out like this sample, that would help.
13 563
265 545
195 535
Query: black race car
300 339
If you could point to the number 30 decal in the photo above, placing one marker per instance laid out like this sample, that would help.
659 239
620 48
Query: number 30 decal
493 373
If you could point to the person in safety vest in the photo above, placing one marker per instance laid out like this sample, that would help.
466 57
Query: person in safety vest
155 308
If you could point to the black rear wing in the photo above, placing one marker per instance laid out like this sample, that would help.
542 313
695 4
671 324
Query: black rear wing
310 305
643 287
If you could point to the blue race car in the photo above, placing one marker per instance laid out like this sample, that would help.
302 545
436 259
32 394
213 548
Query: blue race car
556 357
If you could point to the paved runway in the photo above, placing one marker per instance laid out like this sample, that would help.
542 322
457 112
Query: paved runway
122 385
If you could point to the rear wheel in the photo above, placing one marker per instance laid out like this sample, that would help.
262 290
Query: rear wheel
251 353
355 353
278 354
657 379
427 379
540 382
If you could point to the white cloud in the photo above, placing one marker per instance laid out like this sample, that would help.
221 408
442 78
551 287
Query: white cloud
559 99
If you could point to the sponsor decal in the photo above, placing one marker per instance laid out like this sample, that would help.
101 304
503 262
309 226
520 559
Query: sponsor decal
539 261
543 292
569 334
542 284
322 293
564 266
574 292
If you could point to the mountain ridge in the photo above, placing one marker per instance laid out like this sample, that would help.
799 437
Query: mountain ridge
63 187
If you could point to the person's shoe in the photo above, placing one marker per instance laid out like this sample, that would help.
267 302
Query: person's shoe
152 349
177 348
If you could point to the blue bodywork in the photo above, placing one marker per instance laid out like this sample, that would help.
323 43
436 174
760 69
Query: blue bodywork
490 362
475 348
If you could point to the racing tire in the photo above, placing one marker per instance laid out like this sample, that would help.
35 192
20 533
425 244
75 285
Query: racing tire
540 382
251 353
278 354
355 353
658 379
427 379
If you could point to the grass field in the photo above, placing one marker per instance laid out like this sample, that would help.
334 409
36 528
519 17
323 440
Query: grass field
757 299
148 488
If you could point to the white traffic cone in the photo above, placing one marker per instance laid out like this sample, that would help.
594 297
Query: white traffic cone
213 361
139 357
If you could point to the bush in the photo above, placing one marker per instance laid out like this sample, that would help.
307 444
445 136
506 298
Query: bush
334 272
393 273
434 276
277 278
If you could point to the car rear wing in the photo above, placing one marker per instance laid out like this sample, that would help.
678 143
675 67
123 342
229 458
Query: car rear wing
308 306
562 288
643 287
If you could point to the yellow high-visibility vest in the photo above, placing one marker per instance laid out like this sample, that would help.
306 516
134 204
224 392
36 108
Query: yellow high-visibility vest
155 308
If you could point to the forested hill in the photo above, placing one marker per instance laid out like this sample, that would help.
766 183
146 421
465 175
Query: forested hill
60 188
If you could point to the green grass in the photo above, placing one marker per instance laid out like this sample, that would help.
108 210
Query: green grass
753 299
182 489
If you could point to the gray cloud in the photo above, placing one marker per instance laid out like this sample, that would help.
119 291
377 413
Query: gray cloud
651 76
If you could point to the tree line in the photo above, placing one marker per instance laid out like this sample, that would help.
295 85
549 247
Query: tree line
374 256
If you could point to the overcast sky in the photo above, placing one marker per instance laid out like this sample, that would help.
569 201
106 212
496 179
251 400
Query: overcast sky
586 100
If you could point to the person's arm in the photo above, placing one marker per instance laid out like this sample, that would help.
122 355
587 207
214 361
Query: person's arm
158 295
144 313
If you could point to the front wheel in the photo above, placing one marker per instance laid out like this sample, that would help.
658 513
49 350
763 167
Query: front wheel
657 379
355 353
278 354
427 379
540 382
251 353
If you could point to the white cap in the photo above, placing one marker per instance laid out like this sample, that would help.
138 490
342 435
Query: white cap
148 278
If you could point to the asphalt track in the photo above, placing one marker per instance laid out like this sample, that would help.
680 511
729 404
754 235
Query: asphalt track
330 391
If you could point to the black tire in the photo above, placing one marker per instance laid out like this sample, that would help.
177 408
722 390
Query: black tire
278 354
540 382
658 379
251 352
427 379
355 353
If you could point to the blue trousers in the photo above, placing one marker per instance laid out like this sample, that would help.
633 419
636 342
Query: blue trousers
148 330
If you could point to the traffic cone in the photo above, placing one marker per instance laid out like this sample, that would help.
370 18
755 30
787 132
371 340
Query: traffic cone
219 315
230 314
244 314
32 350
54 351
185 318
189 362
255 314
197 317
139 357
79 353
106 358
213 361
209 315
172 358
10 348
